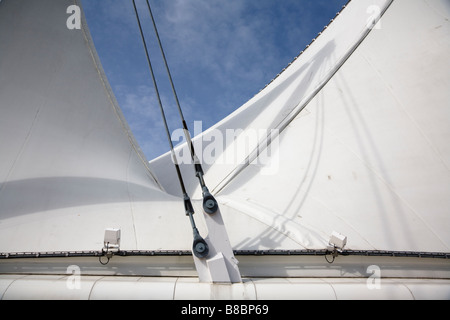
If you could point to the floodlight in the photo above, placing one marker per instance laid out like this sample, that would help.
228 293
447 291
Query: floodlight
337 241
112 239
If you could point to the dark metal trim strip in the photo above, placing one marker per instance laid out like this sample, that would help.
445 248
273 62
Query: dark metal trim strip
173 253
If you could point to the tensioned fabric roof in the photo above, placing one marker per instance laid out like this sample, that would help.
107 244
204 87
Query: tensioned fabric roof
363 122
358 125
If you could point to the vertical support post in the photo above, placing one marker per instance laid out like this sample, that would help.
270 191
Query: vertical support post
221 266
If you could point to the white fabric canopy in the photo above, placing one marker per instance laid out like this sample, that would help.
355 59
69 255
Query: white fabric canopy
362 115
363 146
69 165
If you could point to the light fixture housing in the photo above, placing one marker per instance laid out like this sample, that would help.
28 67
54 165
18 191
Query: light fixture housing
111 240
337 241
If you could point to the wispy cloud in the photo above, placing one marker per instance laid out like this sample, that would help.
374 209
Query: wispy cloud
141 109
220 52
235 46
221 38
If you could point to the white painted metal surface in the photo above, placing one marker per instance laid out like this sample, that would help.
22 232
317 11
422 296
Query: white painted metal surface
93 288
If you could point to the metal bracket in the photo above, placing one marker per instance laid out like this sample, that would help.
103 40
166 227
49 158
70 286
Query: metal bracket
221 266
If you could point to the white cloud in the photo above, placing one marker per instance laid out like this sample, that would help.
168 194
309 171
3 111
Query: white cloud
141 110
216 35
220 53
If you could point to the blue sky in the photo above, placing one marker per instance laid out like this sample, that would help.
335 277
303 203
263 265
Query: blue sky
220 52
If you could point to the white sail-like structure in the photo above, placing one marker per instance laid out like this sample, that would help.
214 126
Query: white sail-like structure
352 138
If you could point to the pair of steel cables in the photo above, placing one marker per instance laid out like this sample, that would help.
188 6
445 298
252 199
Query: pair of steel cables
210 206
